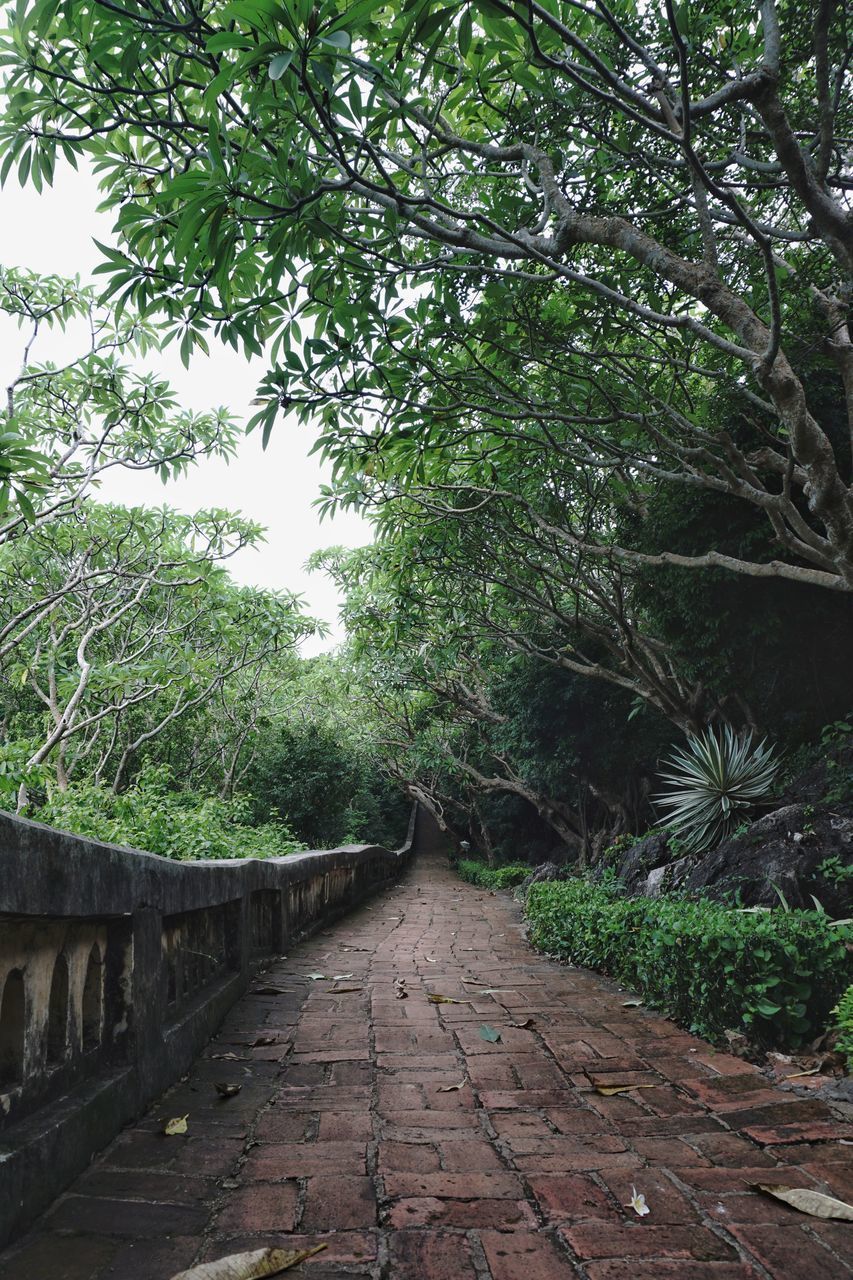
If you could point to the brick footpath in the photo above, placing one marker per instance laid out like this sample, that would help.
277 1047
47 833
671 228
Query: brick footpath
347 1129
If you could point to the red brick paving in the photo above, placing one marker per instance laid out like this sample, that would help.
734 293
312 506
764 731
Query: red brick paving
348 1130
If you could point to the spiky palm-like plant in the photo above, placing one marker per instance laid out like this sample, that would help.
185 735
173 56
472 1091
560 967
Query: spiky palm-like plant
713 783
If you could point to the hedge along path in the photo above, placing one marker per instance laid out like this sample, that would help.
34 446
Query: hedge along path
350 1130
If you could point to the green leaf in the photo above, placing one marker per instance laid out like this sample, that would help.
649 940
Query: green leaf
338 39
465 33
279 64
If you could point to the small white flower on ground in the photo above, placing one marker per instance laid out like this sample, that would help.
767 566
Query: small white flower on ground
638 1203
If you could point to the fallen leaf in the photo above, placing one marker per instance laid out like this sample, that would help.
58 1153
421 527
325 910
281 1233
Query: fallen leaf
525 1025
814 1203
638 1203
342 977
450 1088
250 1266
262 1040
317 977
229 1057
337 991
812 1071
436 999
228 1090
608 1090
490 1034
269 991
400 989
177 1125
430 960
631 1004
473 982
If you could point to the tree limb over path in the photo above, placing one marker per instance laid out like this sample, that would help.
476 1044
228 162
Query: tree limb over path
441 215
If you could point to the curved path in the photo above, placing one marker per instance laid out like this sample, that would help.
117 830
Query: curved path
349 1128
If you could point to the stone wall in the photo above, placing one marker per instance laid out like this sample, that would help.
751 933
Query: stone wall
116 967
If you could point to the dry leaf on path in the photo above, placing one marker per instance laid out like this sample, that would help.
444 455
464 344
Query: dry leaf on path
227 1090
177 1125
259 1041
269 991
339 991
229 1057
451 1088
814 1203
490 1034
250 1266
608 1090
526 1025
400 989
318 977
342 977
632 1004
437 999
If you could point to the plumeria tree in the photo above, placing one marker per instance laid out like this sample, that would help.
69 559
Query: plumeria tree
66 423
144 626
485 217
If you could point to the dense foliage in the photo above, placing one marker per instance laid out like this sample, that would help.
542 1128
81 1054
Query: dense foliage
145 697
773 975
564 291
448 220
154 815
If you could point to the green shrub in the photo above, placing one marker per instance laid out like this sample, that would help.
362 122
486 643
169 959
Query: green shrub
843 1012
774 975
151 815
492 877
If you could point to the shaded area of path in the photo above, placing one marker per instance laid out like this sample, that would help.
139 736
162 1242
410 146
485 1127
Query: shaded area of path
348 1128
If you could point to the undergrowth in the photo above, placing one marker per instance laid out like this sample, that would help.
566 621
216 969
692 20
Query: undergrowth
479 873
151 815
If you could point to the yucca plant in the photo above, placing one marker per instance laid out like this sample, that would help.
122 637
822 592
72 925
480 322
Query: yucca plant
713 784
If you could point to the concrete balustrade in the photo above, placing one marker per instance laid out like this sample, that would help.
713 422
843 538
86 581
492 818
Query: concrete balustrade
116 967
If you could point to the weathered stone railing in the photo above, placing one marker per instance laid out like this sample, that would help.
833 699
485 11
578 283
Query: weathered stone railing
115 969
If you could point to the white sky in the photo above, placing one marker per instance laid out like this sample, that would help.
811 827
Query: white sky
53 232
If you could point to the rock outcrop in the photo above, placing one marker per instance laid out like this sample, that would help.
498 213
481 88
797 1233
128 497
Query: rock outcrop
802 852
